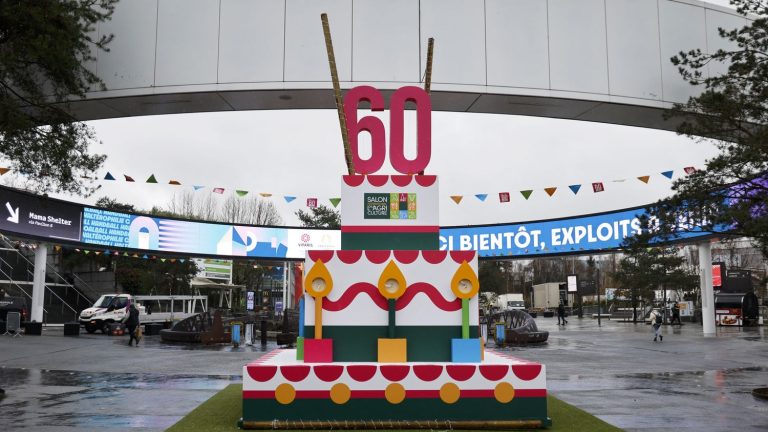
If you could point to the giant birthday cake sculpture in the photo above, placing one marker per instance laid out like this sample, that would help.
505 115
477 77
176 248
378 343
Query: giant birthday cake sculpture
389 326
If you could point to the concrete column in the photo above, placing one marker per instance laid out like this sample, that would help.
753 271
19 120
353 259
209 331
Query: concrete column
707 293
38 283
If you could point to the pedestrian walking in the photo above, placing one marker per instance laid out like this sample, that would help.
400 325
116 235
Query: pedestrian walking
561 314
131 323
676 314
656 325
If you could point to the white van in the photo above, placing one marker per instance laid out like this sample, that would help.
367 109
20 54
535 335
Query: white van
97 308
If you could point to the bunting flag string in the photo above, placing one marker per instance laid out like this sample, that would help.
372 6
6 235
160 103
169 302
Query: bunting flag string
312 202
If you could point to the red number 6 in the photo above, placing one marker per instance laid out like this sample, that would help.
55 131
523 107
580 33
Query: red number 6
375 129
370 124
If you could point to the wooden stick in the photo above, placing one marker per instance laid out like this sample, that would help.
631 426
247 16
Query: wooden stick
337 94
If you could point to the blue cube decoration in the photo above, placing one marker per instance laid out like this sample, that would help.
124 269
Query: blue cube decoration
466 350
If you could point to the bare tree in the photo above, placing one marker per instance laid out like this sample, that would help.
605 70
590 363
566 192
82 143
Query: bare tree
249 211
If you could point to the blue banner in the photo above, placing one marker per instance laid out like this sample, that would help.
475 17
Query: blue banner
553 237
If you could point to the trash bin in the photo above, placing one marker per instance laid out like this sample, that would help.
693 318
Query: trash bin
500 337
236 335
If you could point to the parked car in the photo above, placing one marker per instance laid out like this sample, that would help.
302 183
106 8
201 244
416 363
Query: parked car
100 306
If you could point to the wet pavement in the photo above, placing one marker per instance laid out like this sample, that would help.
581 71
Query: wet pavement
616 372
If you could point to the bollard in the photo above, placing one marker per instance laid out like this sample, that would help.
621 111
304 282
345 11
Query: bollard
236 335
263 333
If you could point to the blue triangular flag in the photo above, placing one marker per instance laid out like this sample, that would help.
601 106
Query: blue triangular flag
181 259
667 174
198 187
481 197
145 256
575 188
108 176
289 198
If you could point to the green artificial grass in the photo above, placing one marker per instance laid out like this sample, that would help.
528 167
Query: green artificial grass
222 411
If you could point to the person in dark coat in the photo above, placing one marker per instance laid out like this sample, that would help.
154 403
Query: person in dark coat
676 314
131 323
561 314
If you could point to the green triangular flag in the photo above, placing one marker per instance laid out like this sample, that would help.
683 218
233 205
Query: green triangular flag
241 193
152 179
526 193
335 201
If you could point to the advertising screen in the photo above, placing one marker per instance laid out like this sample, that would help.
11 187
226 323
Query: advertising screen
583 233
38 216
573 285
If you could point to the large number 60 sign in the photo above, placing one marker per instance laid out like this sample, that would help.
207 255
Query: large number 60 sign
375 129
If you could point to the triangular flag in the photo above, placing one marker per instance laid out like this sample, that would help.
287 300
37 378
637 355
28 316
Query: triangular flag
481 197
218 190
550 190
4 170
668 174
162 259
644 179
145 256
106 252
689 170
57 248
289 198
265 195
97 252
598 187
335 201
173 260
174 182
575 188
181 260
503 197
457 198
152 179
197 187
128 178
109 176
240 193
86 252
77 250
526 193
125 254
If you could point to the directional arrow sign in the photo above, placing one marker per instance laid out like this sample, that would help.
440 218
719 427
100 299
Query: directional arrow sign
14 217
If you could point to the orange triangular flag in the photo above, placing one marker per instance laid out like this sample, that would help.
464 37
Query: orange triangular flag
550 190
4 170
457 198
644 179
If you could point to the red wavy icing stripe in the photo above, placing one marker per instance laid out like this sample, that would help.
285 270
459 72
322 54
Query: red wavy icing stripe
431 292
352 292
373 292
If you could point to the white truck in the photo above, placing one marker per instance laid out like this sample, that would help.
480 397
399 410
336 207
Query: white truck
510 301
546 295
152 309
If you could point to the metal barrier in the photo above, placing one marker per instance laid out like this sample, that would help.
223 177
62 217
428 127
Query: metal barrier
13 324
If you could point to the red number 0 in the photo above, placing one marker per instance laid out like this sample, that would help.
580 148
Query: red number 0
375 128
